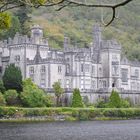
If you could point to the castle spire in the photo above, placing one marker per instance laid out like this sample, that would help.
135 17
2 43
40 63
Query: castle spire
66 42
37 56
97 34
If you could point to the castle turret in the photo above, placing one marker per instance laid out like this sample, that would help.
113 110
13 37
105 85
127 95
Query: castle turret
97 35
66 42
97 40
36 34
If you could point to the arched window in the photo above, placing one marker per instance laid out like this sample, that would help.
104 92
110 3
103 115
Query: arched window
100 71
43 76
67 68
93 70
138 86
87 68
104 84
31 72
43 69
82 67
100 84
93 85
137 73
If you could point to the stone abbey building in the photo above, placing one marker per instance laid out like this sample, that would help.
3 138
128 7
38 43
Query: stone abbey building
95 69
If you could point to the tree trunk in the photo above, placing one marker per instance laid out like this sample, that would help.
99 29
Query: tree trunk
57 101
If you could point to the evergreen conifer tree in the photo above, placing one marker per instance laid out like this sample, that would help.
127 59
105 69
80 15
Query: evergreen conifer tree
77 99
115 100
12 78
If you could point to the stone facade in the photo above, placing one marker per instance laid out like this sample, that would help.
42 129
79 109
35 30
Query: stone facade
95 69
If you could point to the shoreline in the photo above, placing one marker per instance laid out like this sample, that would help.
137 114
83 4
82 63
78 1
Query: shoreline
36 119
19 114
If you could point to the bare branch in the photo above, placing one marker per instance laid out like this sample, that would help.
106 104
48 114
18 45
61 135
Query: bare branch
11 4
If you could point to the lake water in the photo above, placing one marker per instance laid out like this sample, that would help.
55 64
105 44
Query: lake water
86 130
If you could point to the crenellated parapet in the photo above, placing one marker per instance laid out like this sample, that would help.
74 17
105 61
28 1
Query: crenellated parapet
53 57
111 44
36 38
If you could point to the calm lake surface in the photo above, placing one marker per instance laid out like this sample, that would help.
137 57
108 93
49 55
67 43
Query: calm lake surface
86 130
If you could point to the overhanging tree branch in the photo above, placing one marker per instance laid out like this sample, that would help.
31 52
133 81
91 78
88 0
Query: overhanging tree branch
6 5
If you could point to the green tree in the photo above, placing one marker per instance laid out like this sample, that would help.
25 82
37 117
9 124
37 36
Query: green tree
11 97
58 92
23 15
114 100
125 103
2 88
49 102
13 29
2 100
32 96
77 99
5 20
12 78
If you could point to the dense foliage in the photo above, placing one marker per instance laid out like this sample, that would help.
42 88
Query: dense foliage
77 99
12 78
2 88
114 102
72 113
23 15
32 96
11 97
2 100
58 90
5 20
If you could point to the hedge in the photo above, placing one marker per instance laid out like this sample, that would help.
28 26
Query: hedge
77 113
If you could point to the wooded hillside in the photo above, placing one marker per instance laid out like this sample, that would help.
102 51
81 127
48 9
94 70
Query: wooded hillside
77 23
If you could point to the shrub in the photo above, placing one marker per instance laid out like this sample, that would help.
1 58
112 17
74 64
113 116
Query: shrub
125 103
100 103
95 113
86 100
11 97
76 113
1 111
77 99
58 90
49 101
12 78
32 96
114 100
2 88
84 115
9 112
2 100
